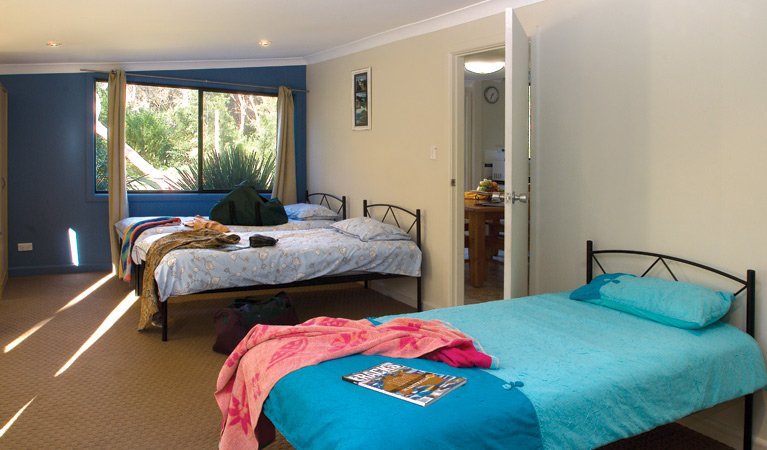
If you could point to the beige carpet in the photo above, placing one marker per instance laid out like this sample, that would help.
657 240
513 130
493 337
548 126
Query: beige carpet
130 390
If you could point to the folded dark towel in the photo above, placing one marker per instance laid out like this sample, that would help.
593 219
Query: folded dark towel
259 240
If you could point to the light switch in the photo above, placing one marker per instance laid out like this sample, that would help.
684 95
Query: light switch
433 153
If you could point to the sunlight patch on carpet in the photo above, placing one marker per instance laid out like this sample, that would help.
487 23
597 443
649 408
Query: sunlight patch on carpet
16 416
27 334
111 319
86 292
71 303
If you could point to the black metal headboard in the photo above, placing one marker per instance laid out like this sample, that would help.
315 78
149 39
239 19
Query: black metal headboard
748 285
324 200
403 218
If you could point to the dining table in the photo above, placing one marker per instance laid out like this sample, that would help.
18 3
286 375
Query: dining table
477 214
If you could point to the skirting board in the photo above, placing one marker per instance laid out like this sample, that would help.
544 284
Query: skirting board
382 287
27 271
721 432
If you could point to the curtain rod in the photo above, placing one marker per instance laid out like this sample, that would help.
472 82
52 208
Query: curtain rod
192 79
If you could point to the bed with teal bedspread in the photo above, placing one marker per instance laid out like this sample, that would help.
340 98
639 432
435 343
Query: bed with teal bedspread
573 375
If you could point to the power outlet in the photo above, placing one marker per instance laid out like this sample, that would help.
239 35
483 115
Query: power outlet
25 247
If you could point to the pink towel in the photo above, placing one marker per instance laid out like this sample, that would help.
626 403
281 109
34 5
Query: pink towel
463 354
269 352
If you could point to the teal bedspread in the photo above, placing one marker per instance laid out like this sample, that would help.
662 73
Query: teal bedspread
596 375
315 409
588 375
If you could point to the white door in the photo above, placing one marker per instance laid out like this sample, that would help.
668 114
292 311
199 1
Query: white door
515 267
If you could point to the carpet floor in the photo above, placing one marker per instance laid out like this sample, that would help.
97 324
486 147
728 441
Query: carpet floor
76 374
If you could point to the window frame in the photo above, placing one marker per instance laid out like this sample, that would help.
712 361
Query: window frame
200 132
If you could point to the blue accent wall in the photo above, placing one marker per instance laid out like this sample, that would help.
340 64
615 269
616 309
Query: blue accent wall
50 165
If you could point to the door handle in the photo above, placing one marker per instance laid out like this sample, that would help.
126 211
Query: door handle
513 197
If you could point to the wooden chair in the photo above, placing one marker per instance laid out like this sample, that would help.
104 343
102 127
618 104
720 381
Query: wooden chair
493 240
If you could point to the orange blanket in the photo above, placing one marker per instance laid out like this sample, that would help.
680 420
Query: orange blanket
201 222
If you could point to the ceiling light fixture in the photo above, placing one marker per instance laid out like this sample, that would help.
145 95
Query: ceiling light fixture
484 67
53 44
264 43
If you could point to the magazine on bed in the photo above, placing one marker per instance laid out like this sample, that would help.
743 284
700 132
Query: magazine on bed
413 385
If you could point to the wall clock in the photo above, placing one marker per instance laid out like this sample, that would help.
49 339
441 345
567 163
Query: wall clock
491 94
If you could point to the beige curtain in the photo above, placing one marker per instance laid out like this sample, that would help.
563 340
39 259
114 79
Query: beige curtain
118 191
285 173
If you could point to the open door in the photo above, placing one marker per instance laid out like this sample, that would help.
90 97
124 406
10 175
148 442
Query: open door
516 217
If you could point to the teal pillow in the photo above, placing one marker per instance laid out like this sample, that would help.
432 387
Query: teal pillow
591 290
682 305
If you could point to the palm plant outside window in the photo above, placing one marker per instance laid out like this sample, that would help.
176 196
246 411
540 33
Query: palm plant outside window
182 139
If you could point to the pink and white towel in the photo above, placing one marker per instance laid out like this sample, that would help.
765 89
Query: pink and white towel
268 352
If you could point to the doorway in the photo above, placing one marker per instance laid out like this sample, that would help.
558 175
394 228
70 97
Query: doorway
484 159
513 209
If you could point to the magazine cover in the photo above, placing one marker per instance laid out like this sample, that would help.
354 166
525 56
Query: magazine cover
416 386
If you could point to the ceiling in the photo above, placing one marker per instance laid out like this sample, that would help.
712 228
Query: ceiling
166 34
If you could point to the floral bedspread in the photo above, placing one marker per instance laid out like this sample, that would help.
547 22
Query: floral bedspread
298 255
138 253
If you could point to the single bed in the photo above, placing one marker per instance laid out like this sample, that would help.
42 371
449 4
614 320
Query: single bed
573 374
385 243
319 211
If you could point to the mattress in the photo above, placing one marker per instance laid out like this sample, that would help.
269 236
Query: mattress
593 375
138 252
298 255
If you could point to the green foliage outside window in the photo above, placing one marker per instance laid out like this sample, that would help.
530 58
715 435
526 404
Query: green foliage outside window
238 142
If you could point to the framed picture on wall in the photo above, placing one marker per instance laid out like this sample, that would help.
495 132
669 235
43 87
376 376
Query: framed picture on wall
361 99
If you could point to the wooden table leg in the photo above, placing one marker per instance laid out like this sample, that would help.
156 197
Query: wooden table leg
477 261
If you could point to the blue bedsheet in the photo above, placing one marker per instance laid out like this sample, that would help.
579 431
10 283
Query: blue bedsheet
333 414
596 375
592 375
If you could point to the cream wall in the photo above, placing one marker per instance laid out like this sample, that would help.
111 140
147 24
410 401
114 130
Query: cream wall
410 108
486 120
651 135
492 117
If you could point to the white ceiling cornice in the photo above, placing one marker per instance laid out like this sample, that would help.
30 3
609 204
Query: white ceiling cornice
451 19
467 14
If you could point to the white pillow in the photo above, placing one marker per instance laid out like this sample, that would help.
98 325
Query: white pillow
308 211
369 229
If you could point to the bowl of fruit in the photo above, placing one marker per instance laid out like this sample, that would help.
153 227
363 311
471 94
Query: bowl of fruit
488 186
488 189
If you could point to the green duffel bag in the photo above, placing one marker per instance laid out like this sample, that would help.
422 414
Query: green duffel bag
244 206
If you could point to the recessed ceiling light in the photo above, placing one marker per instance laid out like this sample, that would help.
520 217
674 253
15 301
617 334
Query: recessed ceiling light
264 43
53 44
484 67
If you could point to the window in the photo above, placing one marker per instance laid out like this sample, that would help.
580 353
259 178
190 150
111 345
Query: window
180 139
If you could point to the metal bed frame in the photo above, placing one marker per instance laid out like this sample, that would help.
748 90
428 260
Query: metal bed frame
403 218
324 200
748 285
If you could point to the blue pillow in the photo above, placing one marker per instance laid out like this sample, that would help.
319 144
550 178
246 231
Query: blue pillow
682 305
310 211
591 290
369 229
